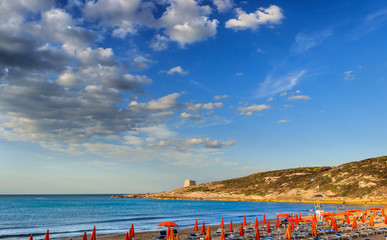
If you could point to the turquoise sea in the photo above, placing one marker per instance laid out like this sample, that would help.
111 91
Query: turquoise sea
70 215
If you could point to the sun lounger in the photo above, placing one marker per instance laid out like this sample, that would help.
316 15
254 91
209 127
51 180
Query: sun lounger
163 235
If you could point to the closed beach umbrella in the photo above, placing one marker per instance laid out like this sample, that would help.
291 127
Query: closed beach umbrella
171 234
177 237
196 225
230 228
127 236
362 218
385 219
383 211
264 218
257 237
256 223
365 212
297 222
84 236
277 222
268 230
314 229
31 237
288 234
222 223
47 237
203 231
334 225
131 231
300 216
372 221
241 232
208 235
244 221
93 234
314 217
354 224
331 221
222 235
292 226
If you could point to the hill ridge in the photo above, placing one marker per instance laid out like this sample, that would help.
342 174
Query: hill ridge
363 182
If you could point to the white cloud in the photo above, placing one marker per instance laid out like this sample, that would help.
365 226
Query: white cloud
210 106
178 70
283 121
253 108
299 97
349 75
223 5
270 15
238 74
304 42
282 83
159 43
186 22
185 144
269 99
190 116
283 94
162 104
218 97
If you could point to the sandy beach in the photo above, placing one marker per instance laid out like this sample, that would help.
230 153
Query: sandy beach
183 232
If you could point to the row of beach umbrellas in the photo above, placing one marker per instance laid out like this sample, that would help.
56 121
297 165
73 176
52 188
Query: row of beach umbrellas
292 219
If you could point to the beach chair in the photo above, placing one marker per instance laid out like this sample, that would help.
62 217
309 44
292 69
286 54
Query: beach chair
163 235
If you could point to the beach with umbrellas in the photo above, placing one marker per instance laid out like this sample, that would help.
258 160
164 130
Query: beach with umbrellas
369 223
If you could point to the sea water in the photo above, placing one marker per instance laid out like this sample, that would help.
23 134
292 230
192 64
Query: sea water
71 215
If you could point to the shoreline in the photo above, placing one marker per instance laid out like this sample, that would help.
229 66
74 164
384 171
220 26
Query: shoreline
328 201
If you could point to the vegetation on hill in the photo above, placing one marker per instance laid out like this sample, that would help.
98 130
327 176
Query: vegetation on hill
355 179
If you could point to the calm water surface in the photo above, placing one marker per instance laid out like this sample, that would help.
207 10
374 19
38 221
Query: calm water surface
70 215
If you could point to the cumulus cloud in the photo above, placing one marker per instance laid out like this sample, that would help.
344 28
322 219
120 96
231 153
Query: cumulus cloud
218 97
122 16
263 16
253 108
270 99
159 43
206 106
185 21
178 70
273 85
349 75
303 42
185 144
299 97
223 5
190 116
162 104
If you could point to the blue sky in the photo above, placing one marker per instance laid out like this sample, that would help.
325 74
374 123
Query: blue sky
137 96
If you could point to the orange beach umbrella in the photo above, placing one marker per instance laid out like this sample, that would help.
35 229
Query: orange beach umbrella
166 224
347 219
292 226
230 228
365 212
244 221
257 237
84 236
171 235
222 223
127 236
31 237
362 218
196 225
354 210
256 223
334 225
374 208
177 237
264 218
283 215
277 224
300 216
372 221
297 222
47 237
314 229
268 229
131 231
93 234
354 224
241 232
222 236
385 219
208 235
203 231
288 234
